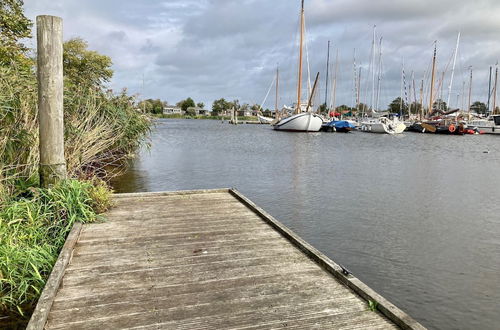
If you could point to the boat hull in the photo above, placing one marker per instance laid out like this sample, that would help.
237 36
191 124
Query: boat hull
264 120
301 122
383 128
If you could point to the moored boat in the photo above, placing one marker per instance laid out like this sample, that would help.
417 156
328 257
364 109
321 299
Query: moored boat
341 126
382 125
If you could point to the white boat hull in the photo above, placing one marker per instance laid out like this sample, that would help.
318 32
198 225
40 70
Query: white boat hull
383 126
301 122
264 120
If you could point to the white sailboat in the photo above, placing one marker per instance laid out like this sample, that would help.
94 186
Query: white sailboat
301 121
376 124
383 125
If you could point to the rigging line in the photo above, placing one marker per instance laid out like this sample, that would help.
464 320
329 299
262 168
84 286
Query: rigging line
267 94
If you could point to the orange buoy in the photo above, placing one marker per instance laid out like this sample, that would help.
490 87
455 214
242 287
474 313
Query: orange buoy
451 128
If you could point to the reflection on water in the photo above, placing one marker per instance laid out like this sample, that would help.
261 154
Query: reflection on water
414 216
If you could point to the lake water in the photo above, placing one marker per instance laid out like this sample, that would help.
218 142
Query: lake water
415 216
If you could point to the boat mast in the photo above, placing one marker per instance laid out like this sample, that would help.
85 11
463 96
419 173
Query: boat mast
358 97
298 110
421 99
335 81
373 69
489 92
277 89
401 90
495 91
453 70
327 65
379 74
432 77
309 103
470 91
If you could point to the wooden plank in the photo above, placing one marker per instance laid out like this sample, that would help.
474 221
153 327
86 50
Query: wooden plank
44 304
170 193
395 314
84 299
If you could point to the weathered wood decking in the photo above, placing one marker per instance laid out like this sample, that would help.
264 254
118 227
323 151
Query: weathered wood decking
201 260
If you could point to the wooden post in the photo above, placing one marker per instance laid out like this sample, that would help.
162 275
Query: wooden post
50 99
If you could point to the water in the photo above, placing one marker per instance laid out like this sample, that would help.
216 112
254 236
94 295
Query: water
415 216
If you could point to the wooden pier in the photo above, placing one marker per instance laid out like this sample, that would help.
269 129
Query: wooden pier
201 260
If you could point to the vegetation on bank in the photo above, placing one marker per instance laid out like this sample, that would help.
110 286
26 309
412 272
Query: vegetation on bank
33 230
102 130
181 116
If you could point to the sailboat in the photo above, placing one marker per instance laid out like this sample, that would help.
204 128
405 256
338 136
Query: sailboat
377 123
301 121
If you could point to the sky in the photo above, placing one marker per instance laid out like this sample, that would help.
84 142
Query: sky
208 49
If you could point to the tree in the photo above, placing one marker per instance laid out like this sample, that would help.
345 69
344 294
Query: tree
185 104
83 67
234 104
14 26
479 107
200 105
245 107
415 107
218 106
322 108
397 106
440 105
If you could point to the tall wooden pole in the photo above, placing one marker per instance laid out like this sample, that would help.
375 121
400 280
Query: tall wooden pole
422 100
327 67
335 82
489 93
495 92
470 93
50 99
432 78
299 84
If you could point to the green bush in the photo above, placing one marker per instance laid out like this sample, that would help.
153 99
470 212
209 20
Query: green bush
32 232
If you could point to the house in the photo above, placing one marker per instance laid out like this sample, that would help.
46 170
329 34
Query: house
245 113
172 109
198 111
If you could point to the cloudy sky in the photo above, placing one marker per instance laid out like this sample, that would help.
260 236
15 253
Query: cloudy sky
207 49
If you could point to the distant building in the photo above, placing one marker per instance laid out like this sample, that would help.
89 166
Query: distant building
198 111
172 109
245 113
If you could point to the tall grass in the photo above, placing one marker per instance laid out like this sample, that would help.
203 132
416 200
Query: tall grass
32 232
101 129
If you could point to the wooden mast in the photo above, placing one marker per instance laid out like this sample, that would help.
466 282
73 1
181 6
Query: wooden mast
309 103
432 78
335 81
298 110
470 92
326 77
495 91
422 99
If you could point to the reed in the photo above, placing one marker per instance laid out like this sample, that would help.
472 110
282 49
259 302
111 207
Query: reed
101 129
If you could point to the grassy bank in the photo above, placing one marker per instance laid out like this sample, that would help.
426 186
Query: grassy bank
32 232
